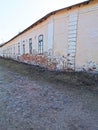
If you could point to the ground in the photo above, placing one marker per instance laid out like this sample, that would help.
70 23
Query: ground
32 98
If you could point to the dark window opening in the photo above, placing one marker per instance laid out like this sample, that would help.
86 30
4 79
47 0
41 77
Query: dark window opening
40 44
19 48
30 45
23 48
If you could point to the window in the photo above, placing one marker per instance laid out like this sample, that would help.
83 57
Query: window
19 48
14 49
23 48
30 45
40 44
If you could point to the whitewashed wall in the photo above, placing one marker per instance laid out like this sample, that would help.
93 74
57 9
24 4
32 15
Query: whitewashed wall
87 38
70 40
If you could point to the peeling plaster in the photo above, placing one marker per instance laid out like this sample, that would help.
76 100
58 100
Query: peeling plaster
48 61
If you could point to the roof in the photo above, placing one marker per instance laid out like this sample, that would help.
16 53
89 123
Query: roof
44 18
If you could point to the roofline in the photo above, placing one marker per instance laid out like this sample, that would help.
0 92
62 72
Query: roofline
44 18
2 44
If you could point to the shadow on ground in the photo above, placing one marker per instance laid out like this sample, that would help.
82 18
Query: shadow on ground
81 80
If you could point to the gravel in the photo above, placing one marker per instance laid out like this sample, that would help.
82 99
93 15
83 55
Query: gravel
28 104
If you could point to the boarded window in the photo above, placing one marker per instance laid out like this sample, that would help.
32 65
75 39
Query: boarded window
40 44
30 45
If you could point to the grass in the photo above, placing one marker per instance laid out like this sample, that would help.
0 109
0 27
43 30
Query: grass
74 79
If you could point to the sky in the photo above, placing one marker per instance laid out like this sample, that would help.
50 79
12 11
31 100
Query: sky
17 15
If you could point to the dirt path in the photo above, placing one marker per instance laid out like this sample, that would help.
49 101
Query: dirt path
34 105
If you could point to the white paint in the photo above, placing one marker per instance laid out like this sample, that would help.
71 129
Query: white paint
71 43
50 34
73 39
71 47
72 27
72 23
72 34
71 51
72 54
72 19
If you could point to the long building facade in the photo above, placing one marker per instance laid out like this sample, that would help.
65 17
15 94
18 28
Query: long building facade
65 39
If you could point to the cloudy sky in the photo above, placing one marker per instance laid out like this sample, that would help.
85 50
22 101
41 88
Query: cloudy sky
16 15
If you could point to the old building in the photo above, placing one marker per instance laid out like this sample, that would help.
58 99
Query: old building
65 39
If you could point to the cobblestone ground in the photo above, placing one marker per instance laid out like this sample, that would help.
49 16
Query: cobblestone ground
34 105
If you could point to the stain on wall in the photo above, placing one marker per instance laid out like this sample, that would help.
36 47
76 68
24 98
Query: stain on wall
47 60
